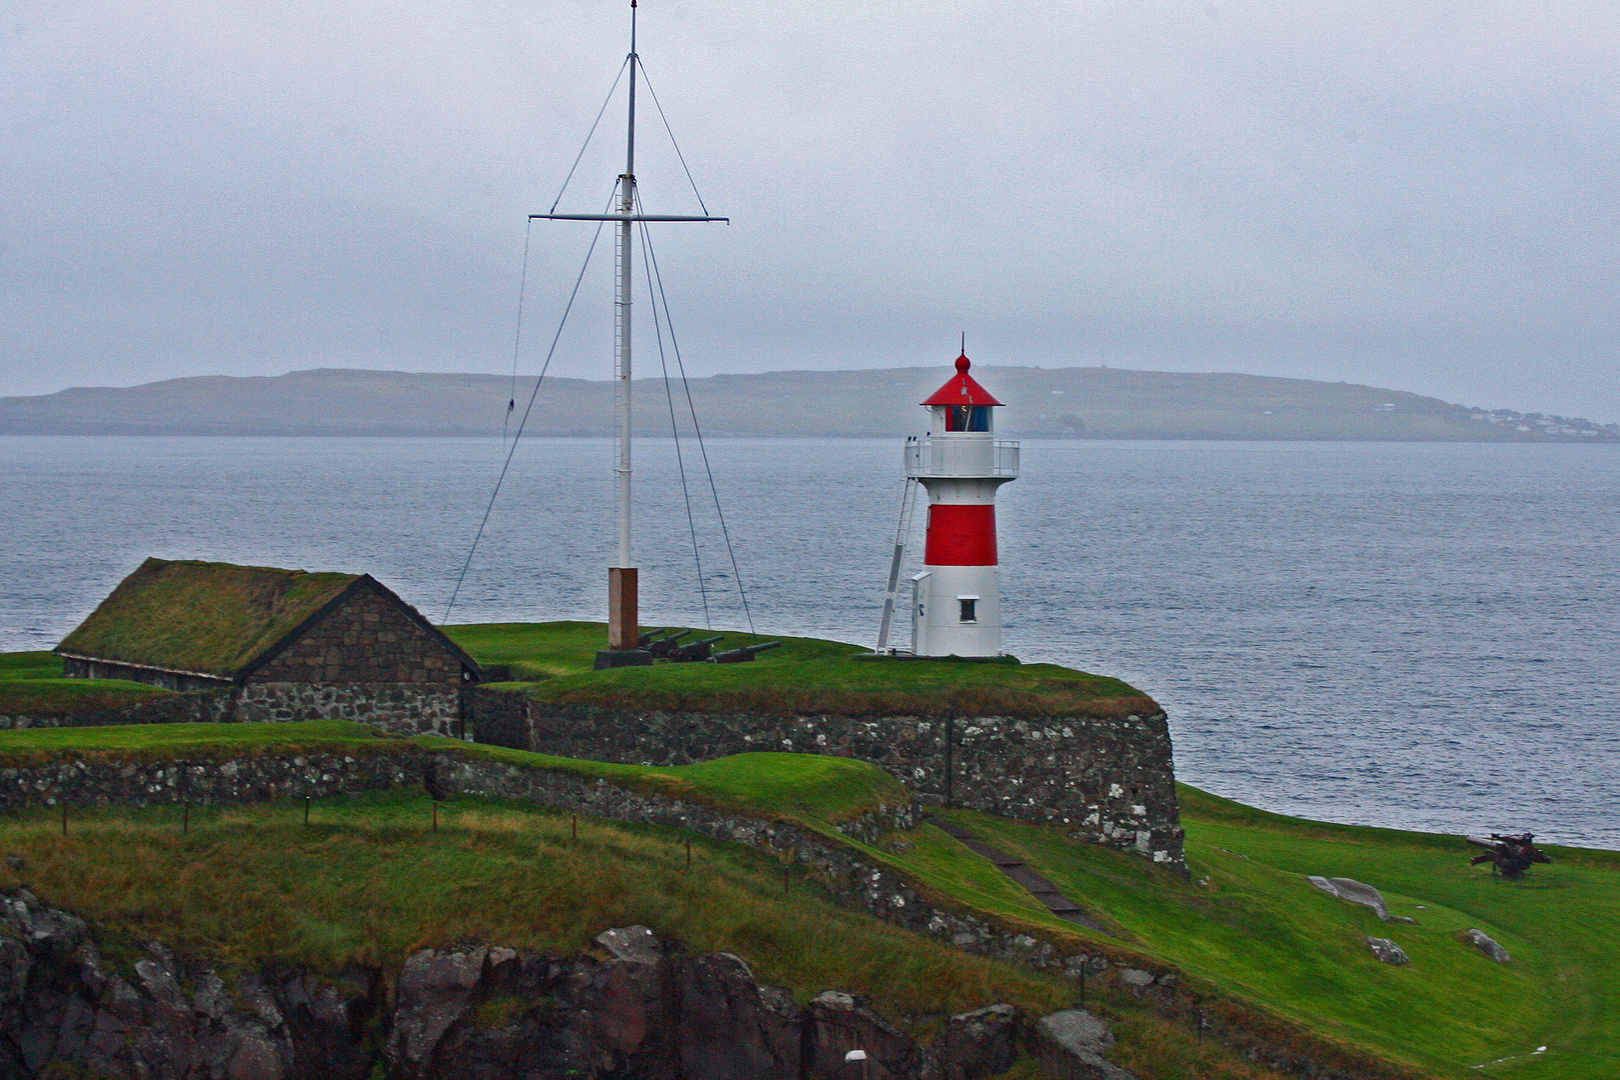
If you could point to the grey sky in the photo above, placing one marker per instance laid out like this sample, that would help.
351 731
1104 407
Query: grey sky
1419 195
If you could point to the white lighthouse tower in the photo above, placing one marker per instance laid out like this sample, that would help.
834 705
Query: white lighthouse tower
956 600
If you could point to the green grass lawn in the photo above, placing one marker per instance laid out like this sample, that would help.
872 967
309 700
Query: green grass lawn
552 662
32 684
1258 930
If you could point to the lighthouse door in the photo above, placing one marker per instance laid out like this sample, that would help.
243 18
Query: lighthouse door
919 613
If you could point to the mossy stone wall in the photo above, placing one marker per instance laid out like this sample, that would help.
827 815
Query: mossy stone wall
1110 780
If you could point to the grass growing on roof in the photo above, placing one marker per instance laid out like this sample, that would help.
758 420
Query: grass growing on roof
208 617
553 663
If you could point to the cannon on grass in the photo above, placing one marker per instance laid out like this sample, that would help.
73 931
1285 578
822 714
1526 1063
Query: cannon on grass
742 655
667 646
1509 854
693 652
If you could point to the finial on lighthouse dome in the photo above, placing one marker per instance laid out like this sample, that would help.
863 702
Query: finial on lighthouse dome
961 389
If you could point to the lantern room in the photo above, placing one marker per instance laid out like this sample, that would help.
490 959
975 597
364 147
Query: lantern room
962 406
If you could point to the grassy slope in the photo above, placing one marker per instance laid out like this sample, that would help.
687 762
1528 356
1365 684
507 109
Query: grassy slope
1256 930
370 880
552 661
32 684
1259 930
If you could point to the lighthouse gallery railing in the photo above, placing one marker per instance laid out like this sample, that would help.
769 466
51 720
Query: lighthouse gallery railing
962 457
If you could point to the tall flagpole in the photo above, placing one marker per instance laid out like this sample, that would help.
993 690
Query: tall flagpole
624 630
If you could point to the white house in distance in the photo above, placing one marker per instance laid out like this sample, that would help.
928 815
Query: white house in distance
956 600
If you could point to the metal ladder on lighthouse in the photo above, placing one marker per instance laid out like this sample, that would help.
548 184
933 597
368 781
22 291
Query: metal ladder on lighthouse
902 534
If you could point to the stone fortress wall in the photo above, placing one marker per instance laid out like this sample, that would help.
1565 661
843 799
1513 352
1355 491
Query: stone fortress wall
850 878
1109 780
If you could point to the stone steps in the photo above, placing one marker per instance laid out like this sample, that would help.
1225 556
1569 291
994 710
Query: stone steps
1019 872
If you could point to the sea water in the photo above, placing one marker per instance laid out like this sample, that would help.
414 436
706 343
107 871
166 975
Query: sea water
1415 635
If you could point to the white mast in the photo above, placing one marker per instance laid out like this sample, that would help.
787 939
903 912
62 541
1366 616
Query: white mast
624 630
621 329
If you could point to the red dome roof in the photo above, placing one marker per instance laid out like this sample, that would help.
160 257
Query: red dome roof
962 390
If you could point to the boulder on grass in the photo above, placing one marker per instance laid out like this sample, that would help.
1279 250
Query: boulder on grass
1353 891
1483 942
1387 951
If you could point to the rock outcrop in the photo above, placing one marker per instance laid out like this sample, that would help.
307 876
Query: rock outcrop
636 1006
1080 1041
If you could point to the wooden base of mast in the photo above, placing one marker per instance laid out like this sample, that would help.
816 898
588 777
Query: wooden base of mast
624 622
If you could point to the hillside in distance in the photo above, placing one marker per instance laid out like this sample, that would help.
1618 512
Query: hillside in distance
1077 402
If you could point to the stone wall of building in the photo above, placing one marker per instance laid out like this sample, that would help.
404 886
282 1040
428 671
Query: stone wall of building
365 639
1110 780
398 708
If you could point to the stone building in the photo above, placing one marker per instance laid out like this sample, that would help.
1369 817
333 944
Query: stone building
274 644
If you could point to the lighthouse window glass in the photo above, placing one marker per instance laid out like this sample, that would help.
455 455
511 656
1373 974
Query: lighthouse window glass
969 610
967 418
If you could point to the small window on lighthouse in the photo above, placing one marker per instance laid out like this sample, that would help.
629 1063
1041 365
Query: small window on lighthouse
967 418
970 606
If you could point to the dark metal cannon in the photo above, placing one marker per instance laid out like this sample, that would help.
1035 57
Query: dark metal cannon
645 639
693 652
1509 854
742 655
667 646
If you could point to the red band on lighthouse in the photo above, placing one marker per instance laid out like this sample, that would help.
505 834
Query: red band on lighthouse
961 535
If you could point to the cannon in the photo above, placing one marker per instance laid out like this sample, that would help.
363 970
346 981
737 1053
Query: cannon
646 639
667 646
1509 854
693 652
742 655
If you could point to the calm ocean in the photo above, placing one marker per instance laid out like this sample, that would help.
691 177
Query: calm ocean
1415 635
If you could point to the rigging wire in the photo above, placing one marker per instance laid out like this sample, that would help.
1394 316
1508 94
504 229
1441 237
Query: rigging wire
529 408
589 135
675 431
671 132
517 335
686 386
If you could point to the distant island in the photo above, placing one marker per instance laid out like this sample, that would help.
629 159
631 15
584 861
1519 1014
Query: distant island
1075 402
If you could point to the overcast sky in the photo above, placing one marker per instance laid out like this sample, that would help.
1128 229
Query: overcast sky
1415 195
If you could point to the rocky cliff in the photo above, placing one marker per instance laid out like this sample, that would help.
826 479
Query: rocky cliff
634 1006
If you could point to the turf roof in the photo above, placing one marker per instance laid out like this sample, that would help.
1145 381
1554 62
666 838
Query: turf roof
211 618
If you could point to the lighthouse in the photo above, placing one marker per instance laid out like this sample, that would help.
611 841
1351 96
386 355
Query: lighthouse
956 600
